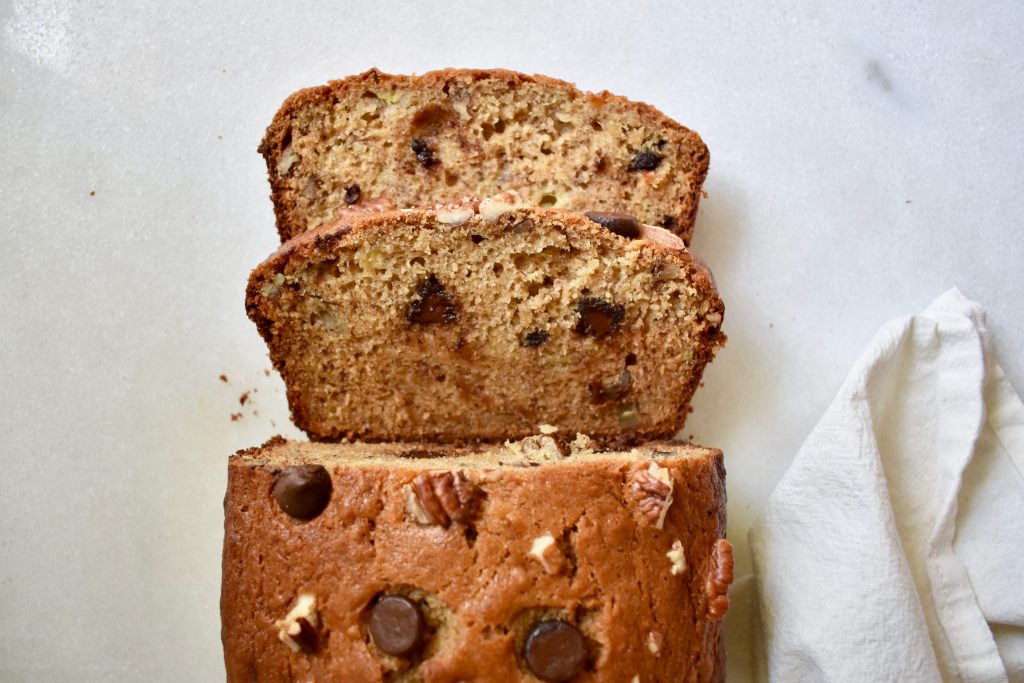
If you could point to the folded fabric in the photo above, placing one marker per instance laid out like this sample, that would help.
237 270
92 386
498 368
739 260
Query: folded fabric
893 548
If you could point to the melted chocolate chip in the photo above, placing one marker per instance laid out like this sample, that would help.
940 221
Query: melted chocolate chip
423 152
302 491
396 625
536 338
598 318
645 161
352 194
620 223
303 635
433 304
555 651
669 223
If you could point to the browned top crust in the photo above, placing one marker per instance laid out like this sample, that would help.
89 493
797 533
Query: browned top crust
550 537
306 189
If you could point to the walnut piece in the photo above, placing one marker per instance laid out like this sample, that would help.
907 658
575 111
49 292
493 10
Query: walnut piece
655 485
719 579
544 550
492 207
298 629
442 498
654 642
677 556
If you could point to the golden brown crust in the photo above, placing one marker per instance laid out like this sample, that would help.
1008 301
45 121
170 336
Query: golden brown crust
292 219
454 423
609 570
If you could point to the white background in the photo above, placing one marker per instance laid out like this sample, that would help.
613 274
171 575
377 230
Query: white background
864 158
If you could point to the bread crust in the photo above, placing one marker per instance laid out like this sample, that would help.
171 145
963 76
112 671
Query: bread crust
291 221
609 571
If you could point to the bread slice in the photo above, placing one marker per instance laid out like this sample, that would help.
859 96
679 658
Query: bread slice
415 140
414 562
482 321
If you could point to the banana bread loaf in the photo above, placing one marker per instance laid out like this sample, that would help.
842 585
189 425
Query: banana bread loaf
445 134
480 321
541 559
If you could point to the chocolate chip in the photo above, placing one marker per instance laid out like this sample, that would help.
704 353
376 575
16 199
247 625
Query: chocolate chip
536 338
555 651
396 625
669 223
620 223
303 635
302 491
611 388
423 152
433 304
352 194
598 317
645 161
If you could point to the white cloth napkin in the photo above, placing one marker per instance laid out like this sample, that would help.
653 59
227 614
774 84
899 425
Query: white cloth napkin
893 548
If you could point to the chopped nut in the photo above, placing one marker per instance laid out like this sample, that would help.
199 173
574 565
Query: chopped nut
454 216
661 237
654 642
719 579
273 288
298 629
287 160
539 447
677 556
492 207
547 553
582 442
636 679
442 498
547 429
714 318
655 485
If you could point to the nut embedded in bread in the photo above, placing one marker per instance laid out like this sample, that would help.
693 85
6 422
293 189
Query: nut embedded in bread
422 139
480 321
560 573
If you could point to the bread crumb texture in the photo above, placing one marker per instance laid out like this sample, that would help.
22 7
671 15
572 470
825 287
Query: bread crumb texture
417 140
446 325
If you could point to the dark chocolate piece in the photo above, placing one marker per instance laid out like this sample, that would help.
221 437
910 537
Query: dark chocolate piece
645 160
555 651
423 152
433 304
622 224
396 625
352 194
302 491
598 318
536 338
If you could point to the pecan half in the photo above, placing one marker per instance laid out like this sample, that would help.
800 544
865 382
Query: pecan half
442 498
719 579
655 486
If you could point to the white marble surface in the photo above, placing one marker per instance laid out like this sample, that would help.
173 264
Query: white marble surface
866 156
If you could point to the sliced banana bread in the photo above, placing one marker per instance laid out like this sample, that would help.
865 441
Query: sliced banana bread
533 560
483 320
424 139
